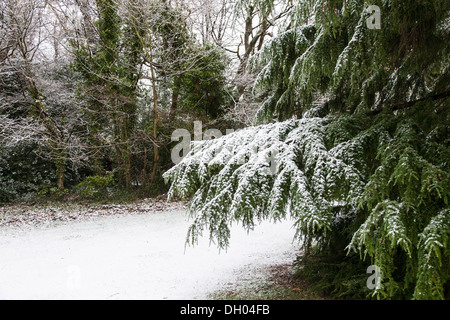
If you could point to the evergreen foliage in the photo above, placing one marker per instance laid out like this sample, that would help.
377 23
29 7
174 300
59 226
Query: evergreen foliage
21 176
362 69
371 147
202 84
110 70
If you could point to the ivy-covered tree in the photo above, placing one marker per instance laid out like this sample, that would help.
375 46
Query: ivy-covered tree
365 170
110 65
142 70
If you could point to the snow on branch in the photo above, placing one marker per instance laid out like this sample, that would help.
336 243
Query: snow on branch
266 172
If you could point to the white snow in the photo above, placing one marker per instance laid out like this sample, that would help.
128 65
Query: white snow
133 257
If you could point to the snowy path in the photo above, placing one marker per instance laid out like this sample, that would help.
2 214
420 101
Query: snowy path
132 257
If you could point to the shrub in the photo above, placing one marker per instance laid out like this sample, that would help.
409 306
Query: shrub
96 187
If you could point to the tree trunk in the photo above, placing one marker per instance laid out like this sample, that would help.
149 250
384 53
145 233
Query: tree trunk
174 105
60 170
149 56
155 124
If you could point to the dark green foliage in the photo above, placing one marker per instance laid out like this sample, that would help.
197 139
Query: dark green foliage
327 266
110 70
202 85
96 187
23 173
363 69
189 82
342 277
26 176
365 144
363 186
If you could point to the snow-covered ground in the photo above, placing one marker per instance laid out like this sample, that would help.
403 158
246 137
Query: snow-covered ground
133 257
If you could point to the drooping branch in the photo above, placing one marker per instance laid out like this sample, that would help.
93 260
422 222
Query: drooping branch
405 105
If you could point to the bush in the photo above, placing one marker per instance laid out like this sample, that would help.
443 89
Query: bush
96 187
24 175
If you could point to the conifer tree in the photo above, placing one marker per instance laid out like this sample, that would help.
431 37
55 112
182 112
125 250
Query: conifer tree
363 142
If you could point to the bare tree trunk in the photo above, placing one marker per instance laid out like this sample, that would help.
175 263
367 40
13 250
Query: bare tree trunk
254 39
89 29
